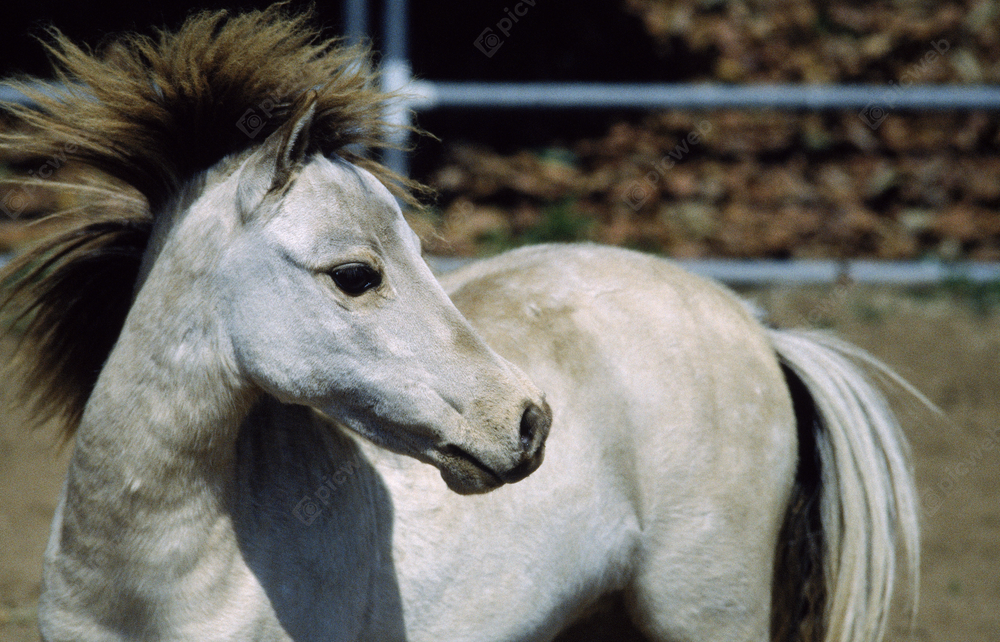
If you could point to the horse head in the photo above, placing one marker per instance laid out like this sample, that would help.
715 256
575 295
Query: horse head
328 303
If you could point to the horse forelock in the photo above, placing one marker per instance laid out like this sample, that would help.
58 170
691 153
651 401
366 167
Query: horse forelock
155 112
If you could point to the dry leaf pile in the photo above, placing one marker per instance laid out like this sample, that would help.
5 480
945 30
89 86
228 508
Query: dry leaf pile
876 183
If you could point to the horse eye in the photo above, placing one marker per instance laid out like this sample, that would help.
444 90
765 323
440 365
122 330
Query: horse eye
356 278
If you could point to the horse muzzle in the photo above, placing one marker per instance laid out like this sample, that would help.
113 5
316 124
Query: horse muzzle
467 474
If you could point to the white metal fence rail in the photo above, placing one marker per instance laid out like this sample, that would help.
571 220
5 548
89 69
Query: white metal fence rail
744 272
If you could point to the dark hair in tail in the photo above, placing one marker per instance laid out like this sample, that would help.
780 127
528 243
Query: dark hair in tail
798 592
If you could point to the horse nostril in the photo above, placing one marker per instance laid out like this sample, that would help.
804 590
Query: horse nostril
535 424
534 427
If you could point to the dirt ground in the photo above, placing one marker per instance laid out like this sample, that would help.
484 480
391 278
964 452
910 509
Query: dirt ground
938 341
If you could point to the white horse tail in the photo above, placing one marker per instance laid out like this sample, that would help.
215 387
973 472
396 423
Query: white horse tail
854 505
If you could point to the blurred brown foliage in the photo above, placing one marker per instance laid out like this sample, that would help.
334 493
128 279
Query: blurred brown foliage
822 41
749 184
880 183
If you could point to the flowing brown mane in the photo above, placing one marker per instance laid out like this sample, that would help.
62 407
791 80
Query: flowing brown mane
152 112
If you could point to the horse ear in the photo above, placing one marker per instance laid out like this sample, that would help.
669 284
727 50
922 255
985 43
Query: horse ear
272 166
293 141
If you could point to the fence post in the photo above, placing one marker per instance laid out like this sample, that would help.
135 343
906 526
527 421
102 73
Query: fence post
396 76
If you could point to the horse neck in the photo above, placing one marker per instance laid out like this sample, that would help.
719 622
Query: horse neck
164 414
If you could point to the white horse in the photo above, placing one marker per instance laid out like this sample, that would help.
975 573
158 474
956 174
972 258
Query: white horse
251 462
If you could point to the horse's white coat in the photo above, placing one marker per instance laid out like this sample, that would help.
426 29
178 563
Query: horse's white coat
197 508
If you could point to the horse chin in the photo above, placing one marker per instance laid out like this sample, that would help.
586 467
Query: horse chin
466 485
466 476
